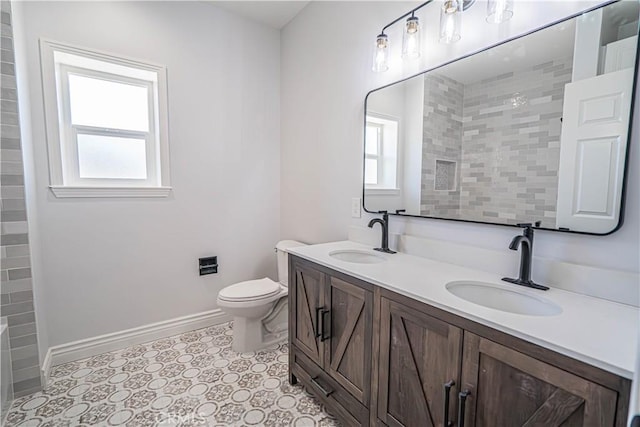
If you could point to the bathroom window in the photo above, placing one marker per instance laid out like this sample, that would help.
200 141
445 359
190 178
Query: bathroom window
106 124
381 153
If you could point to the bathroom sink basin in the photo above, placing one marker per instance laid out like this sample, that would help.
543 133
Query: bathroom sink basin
502 298
357 256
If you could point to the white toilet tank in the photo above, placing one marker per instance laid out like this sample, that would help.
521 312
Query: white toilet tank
283 259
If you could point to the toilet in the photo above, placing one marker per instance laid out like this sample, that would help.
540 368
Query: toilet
259 307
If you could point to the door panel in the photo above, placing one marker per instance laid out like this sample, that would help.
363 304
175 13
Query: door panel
307 299
348 351
418 355
509 388
593 148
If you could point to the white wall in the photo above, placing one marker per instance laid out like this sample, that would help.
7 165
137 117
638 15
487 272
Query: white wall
108 265
412 144
326 73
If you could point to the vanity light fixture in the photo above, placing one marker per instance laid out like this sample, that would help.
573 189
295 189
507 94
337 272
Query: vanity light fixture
450 21
499 11
450 28
411 38
381 53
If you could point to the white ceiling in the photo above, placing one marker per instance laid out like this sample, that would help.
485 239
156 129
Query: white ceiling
551 43
275 14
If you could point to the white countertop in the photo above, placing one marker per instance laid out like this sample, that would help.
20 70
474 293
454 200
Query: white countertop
596 331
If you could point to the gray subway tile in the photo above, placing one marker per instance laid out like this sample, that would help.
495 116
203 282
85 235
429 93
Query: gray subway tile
14 239
19 273
26 373
21 262
23 341
21 319
17 308
27 362
22 296
11 179
24 352
16 251
12 192
22 330
7 69
9 286
13 205
27 385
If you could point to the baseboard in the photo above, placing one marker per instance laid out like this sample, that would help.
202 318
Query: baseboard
46 368
117 340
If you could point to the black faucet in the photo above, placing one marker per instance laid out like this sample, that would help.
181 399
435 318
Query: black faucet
526 244
384 222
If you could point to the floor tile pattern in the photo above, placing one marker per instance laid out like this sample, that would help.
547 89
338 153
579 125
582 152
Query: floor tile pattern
192 379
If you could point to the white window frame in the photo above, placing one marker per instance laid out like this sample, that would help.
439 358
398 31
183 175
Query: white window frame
381 188
65 180
377 157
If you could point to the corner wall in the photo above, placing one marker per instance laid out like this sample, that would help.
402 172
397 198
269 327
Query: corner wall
17 287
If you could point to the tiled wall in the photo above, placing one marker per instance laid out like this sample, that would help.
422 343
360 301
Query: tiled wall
16 289
510 145
442 140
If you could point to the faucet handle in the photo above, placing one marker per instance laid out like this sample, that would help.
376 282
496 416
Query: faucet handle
399 211
383 212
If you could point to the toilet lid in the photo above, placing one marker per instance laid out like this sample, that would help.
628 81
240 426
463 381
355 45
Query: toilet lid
250 290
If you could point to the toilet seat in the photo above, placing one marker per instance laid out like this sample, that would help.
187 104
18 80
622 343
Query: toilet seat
251 290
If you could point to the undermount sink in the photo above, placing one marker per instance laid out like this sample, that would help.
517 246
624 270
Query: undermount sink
501 298
357 256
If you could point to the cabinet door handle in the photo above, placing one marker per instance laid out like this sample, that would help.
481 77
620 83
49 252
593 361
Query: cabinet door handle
324 391
447 391
324 325
461 406
318 320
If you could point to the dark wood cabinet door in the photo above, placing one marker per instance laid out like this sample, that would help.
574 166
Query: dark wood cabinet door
306 301
509 388
418 355
349 333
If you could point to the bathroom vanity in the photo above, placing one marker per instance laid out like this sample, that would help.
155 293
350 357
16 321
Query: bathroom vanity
380 340
521 134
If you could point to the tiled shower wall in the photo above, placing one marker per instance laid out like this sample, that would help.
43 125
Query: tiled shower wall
16 289
441 140
510 147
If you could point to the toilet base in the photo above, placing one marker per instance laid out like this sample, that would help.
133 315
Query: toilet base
255 334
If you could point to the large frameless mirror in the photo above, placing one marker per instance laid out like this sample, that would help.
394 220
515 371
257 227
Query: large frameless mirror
532 130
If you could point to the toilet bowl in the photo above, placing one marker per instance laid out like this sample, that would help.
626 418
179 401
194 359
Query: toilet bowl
259 307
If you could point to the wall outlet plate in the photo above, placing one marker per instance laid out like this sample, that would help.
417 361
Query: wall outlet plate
356 211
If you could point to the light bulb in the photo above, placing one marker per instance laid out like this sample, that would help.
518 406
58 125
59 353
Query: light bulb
499 11
381 54
411 39
450 21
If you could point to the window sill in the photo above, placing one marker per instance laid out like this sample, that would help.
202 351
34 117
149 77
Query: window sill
382 191
62 191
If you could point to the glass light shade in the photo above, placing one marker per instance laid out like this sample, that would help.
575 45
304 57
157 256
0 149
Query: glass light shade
411 39
381 54
450 21
499 11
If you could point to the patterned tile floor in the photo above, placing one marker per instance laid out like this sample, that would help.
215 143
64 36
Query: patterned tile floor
192 379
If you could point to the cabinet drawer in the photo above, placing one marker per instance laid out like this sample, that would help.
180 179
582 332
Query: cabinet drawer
336 398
